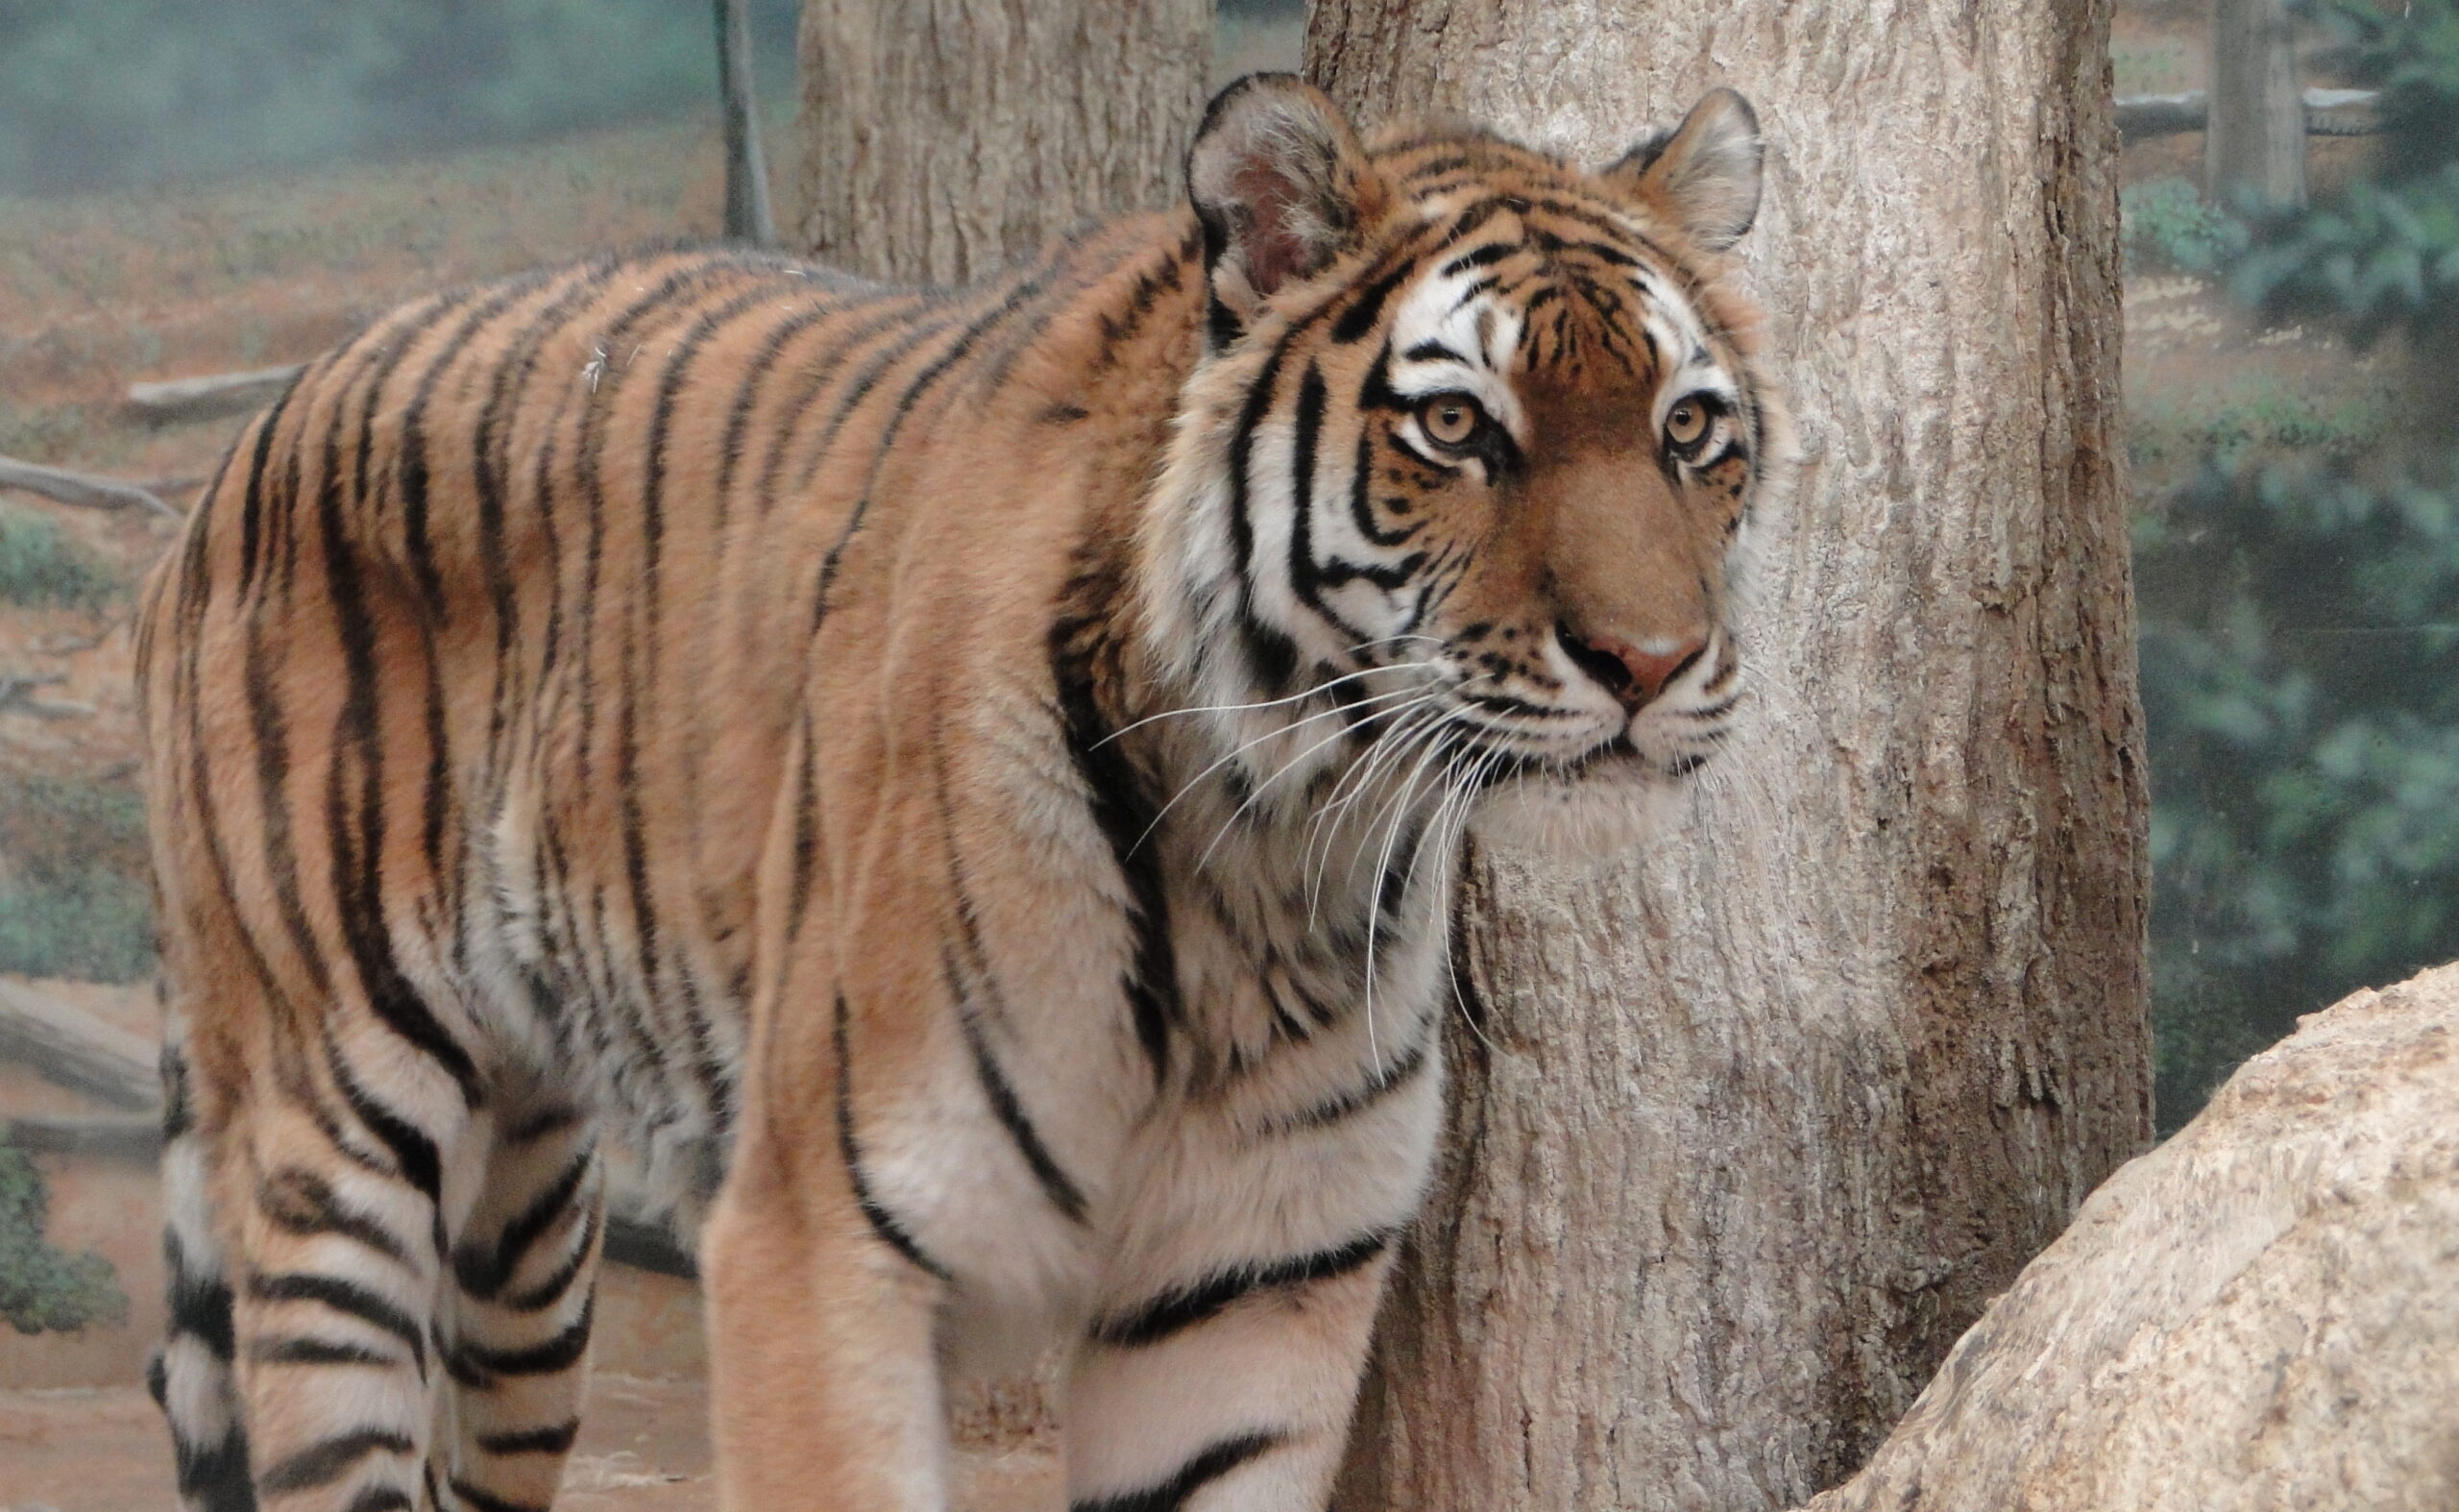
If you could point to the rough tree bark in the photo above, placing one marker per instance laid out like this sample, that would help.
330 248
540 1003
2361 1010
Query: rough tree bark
2255 142
942 138
1753 1127
2263 1312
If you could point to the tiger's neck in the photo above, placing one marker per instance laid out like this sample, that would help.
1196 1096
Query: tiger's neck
1287 841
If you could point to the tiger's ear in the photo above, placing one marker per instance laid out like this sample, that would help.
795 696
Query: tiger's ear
1281 186
1703 174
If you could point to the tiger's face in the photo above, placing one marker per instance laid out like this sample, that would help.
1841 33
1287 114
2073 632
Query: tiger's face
1485 435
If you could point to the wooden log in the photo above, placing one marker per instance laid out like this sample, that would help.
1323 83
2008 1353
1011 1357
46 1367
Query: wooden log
119 1139
2262 1312
2328 113
175 400
80 489
69 1047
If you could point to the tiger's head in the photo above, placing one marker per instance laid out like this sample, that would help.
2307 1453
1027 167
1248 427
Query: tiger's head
1471 455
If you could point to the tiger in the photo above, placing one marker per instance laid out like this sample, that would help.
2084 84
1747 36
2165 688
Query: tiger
965 786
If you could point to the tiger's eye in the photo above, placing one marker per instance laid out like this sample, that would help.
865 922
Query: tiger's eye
1450 419
1686 424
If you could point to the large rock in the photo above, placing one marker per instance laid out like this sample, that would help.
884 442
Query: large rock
2262 1312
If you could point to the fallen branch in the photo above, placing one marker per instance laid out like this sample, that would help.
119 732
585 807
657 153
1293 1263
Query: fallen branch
2328 113
80 489
69 1047
175 400
2262 1312
130 1138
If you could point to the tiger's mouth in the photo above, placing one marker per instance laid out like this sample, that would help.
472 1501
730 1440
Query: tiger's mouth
1620 755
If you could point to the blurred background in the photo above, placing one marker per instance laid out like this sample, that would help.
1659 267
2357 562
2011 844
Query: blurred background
196 192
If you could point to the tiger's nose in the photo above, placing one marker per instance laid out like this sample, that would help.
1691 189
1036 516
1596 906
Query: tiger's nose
1634 675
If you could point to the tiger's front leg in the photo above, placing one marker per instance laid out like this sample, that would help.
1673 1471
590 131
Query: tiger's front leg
825 1387
1231 1394
825 1393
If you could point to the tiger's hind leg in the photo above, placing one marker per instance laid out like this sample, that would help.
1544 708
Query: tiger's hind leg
191 1376
307 1199
525 1270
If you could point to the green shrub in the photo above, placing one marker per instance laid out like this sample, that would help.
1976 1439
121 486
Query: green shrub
73 898
40 1288
2300 617
2168 228
41 566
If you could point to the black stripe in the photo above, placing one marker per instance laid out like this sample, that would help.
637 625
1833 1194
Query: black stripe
476 1500
1361 507
482 1269
480 1365
981 325
1056 1184
200 1305
316 1351
549 1291
414 1154
843 348
550 1440
1271 657
1386 1079
491 468
271 735
549 1118
252 502
358 850
806 825
302 1203
412 472
347 1298
751 388
323 1463
1308 578
1172 1494
381 1498
216 1475
1182 1307
1125 816
883 1222
1358 320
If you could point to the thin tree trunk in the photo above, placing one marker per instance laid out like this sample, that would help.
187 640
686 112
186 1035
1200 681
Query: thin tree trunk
1752 1127
944 138
748 218
2254 145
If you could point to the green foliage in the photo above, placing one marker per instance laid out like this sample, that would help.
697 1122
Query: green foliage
73 898
40 1288
2301 636
2167 226
2388 255
130 91
41 566
2241 422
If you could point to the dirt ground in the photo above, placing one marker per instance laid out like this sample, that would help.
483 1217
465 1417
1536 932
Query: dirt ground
642 1447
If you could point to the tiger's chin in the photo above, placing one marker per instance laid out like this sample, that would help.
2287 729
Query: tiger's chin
1600 816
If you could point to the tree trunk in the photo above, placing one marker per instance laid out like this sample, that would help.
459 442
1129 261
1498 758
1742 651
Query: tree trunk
2263 1312
2254 145
942 138
747 214
1752 1127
